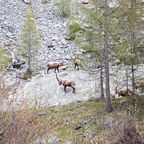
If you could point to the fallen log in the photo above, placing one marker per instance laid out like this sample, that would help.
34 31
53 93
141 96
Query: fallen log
15 62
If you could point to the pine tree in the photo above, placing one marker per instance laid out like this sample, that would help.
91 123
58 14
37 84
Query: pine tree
30 41
132 51
108 100
127 35
92 39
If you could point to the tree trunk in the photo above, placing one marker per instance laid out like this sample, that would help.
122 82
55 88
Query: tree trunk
108 100
127 89
132 51
101 80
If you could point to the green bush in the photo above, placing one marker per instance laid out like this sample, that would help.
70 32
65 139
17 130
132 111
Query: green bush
64 7
71 36
73 28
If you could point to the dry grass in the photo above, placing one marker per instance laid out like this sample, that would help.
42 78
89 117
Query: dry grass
26 126
23 126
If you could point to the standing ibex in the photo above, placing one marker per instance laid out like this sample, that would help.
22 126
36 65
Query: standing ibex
65 83
54 65
77 63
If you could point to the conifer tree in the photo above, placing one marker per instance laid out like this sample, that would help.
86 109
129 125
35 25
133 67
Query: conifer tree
126 28
30 41
92 39
108 100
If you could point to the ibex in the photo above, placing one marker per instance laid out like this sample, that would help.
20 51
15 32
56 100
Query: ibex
77 63
66 83
112 94
139 85
124 92
54 65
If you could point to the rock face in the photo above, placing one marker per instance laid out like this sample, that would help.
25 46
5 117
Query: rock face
45 90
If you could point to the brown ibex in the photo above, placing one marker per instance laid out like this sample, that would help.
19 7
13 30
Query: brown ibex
139 85
124 92
54 65
66 83
77 63
112 94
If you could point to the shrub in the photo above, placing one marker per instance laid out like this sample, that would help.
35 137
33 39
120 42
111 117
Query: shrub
73 28
64 7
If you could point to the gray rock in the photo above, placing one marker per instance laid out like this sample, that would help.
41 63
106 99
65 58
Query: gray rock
109 123
10 29
68 142
40 142
122 102
68 38
52 140
64 67
78 53
86 128
40 113
96 122
67 57
82 121
39 75
63 74
83 51
26 1
78 127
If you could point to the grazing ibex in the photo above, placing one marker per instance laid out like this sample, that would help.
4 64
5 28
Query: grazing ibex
124 92
77 63
54 65
65 83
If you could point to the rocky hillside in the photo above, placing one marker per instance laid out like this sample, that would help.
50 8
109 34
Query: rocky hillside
51 26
